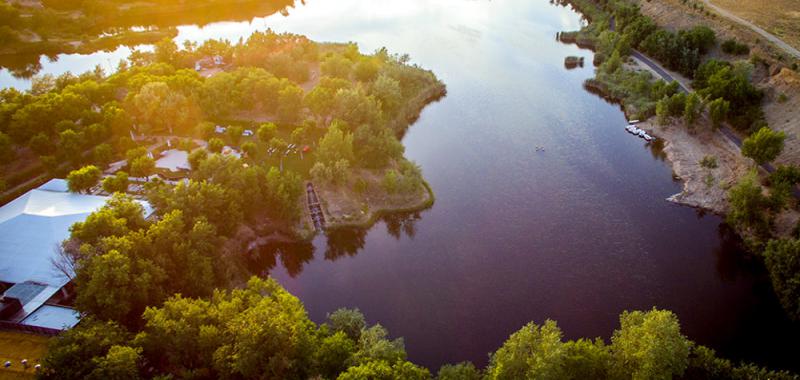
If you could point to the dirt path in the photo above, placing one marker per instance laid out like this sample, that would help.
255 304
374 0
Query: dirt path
770 37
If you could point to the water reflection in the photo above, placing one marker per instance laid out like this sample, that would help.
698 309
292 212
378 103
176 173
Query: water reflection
339 243
733 261
293 256
402 223
19 68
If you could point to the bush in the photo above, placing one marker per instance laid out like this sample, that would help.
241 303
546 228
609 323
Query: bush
764 145
731 46
748 206
709 162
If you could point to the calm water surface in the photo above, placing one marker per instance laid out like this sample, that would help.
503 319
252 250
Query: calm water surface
576 233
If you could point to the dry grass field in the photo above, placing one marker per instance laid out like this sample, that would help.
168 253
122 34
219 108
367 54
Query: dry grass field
15 346
779 17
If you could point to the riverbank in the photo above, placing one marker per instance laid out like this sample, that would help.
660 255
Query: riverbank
704 186
363 199
686 147
347 208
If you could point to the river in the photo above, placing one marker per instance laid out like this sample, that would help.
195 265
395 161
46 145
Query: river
576 231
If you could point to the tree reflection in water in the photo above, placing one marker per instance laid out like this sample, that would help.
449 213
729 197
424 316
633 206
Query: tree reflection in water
292 255
340 242
399 223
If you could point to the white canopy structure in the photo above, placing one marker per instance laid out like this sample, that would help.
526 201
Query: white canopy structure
32 228
34 225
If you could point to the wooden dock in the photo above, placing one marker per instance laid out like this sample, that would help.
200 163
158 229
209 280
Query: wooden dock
314 207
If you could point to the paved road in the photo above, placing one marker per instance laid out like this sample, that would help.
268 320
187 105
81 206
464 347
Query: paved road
658 69
770 37
725 130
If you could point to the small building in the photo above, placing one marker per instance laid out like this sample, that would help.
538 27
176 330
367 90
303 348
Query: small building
32 228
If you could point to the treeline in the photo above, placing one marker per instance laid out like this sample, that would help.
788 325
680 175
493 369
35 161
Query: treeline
87 26
753 213
263 332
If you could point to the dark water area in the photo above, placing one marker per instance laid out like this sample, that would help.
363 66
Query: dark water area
576 231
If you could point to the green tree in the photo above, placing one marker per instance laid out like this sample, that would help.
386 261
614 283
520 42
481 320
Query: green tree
718 109
215 145
333 354
533 352
460 371
72 354
337 66
266 132
143 166
320 101
197 157
748 205
118 217
355 107
366 70
103 154
83 179
335 145
692 108
249 149
381 370
387 90
116 286
234 134
782 258
290 100
120 363
117 183
649 345
763 146
586 359
662 111
347 321
267 333
40 144
391 181
206 129
71 145
6 150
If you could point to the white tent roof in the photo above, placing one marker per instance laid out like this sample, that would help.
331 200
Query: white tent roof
34 225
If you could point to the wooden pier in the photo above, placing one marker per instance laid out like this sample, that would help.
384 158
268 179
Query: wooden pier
314 207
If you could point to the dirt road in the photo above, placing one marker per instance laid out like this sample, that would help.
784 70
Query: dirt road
770 37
